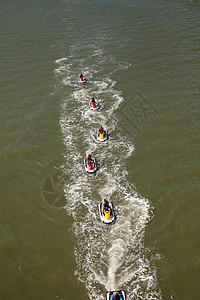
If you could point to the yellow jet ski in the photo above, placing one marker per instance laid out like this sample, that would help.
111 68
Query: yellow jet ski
106 215
102 136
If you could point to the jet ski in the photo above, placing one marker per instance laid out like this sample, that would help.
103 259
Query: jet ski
90 167
102 137
106 216
94 106
82 80
122 295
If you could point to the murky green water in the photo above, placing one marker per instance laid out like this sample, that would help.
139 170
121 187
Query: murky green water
142 61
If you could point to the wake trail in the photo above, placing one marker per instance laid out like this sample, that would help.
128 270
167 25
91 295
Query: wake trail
107 257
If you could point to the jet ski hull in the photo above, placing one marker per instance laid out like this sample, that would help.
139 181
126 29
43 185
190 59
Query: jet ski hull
87 169
94 108
121 293
84 81
102 215
104 138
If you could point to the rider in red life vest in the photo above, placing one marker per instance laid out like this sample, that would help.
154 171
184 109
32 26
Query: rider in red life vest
93 102
116 296
81 77
106 205
90 159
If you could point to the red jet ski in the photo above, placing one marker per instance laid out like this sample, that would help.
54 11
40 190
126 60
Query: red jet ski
82 80
94 105
90 167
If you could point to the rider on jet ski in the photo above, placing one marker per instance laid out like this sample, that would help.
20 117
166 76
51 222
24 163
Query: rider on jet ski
81 76
93 101
90 160
101 130
116 296
106 205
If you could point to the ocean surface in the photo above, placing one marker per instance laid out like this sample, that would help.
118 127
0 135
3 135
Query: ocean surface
141 59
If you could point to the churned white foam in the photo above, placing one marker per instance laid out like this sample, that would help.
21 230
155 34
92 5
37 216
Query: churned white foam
115 259
61 60
108 257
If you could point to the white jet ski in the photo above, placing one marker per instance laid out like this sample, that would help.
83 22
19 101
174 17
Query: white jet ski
90 167
94 106
102 137
107 216
122 295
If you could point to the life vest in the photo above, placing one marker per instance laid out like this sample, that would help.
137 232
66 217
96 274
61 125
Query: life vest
116 297
106 205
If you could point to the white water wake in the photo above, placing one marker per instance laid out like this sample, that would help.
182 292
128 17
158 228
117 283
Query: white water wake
107 257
